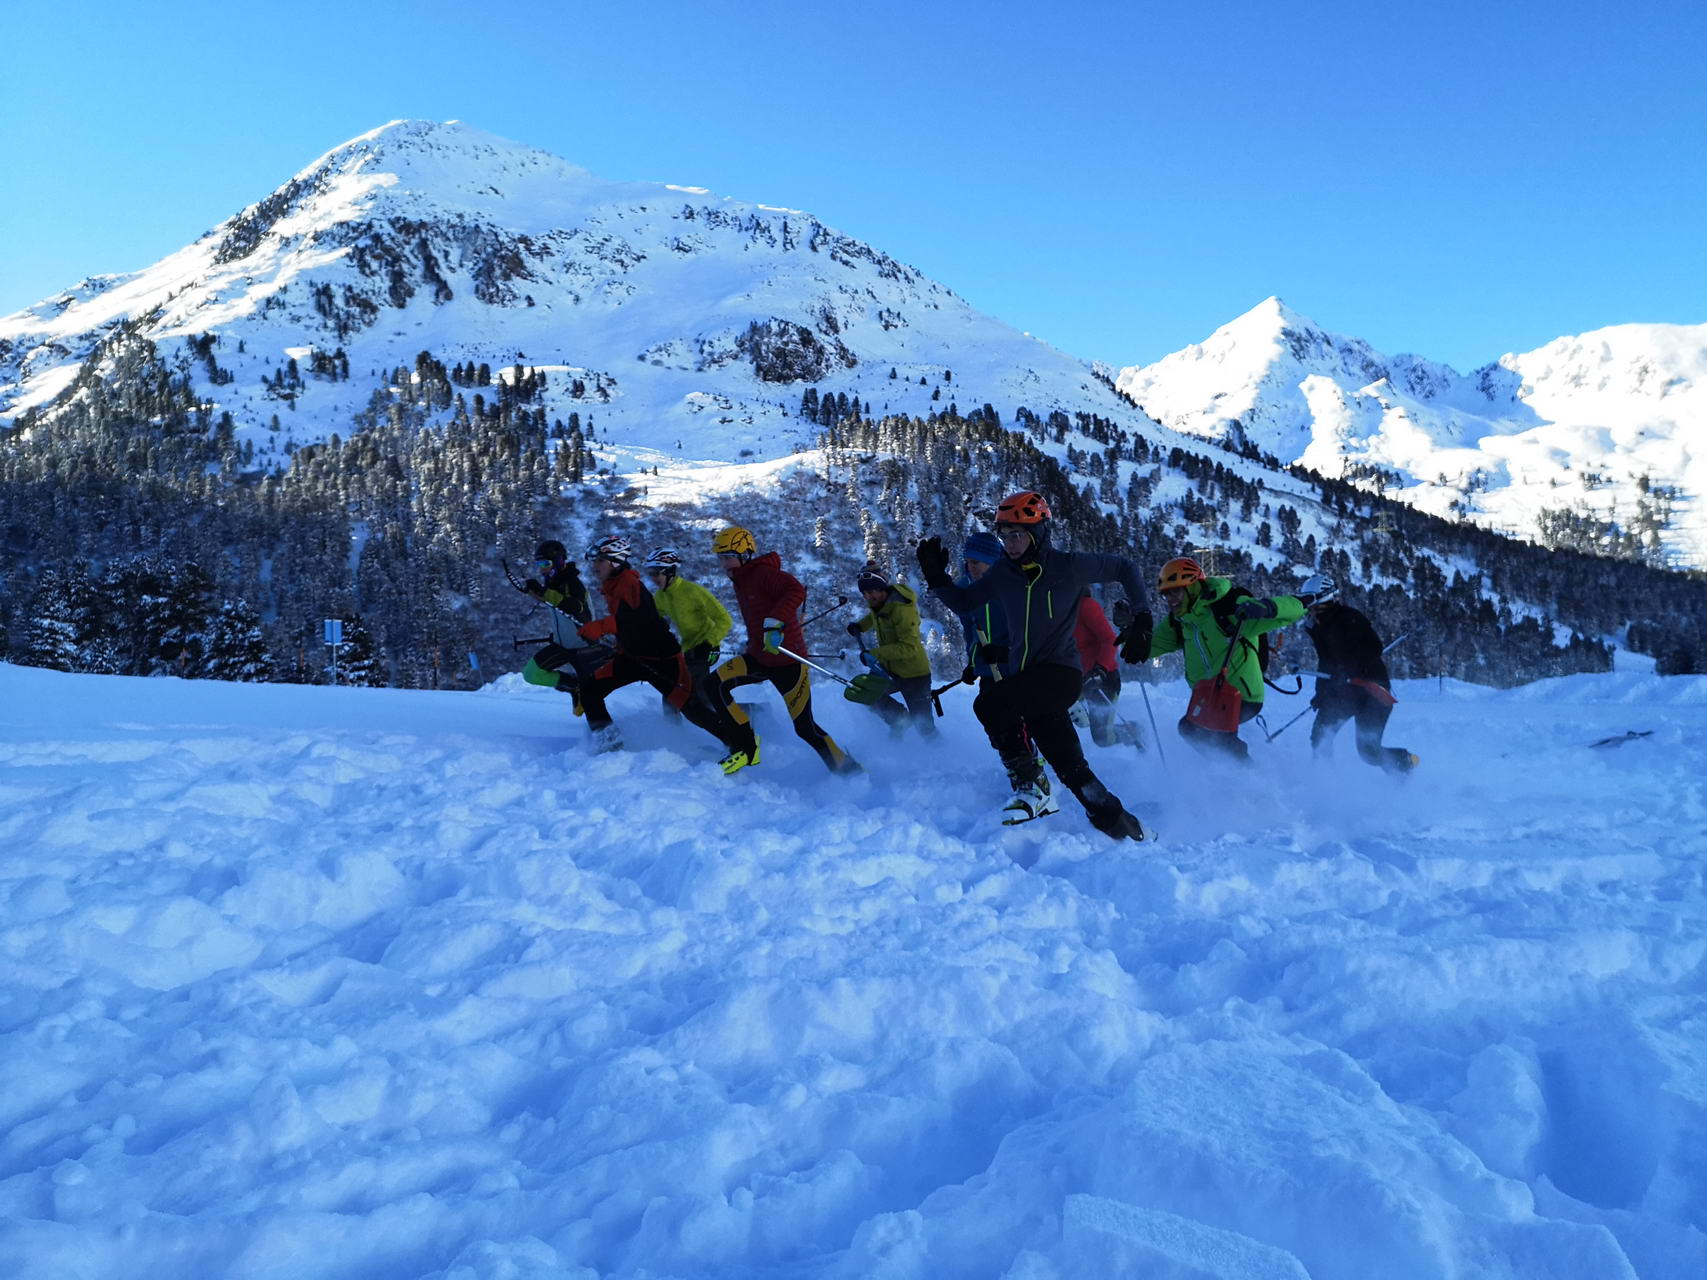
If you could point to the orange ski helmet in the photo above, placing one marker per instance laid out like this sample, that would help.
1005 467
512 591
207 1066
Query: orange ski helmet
1023 508
1181 571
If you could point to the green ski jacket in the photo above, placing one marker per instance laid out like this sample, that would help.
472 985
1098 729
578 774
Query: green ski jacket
1204 631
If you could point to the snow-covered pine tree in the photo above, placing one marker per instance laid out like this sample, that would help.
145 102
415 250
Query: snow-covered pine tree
50 631
236 647
358 663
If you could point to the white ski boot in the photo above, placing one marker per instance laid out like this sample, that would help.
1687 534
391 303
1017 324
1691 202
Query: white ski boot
1030 800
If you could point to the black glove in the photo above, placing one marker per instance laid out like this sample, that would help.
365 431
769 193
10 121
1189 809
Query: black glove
1120 613
994 654
968 675
855 630
1256 607
933 562
533 587
1135 639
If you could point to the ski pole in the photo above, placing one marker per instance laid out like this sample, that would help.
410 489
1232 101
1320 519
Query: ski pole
1155 733
521 640
539 599
936 694
807 662
1283 728
1392 643
840 601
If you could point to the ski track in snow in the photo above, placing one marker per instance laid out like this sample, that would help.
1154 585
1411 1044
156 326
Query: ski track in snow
365 983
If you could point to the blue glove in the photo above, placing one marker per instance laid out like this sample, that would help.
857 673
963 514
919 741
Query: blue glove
872 664
1256 607
773 635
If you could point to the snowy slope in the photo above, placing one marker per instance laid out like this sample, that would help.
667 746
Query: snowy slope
1577 424
437 237
307 982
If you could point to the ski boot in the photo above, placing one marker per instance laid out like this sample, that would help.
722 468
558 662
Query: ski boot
605 738
741 757
1030 801
1108 815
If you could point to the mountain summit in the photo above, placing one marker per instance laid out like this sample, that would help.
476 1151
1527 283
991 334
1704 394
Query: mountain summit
689 322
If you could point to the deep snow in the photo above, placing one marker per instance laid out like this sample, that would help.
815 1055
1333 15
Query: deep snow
306 982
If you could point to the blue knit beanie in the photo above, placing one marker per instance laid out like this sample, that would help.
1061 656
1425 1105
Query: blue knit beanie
982 546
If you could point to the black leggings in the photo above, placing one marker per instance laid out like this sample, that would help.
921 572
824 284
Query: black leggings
1033 707
1347 702
669 676
791 681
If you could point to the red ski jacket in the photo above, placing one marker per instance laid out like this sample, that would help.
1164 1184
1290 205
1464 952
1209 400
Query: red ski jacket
1094 635
763 590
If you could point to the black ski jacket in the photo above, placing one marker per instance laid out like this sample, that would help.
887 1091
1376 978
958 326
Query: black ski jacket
1040 601
1346 644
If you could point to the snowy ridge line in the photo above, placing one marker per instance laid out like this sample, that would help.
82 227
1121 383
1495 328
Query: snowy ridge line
1555 443
315 982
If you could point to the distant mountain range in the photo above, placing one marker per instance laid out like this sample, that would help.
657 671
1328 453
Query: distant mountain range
358 396
1612 422
686 326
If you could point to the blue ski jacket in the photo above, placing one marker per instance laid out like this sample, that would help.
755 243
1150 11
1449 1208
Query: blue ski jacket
989 620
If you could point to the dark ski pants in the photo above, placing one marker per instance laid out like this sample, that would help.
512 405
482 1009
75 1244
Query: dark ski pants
913 704
699 671
1213 742
546 666
1037 704
791 681
1371 715
669 676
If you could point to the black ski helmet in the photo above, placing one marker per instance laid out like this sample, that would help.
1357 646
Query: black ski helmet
551 550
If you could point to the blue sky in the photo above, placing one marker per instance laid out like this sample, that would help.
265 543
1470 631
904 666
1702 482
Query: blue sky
1457 179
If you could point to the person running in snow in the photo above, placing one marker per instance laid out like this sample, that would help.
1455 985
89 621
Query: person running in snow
897 663
1353 684
769 601
1099 663
1204 615
559 585
699 617
640 646
1037 588
984 627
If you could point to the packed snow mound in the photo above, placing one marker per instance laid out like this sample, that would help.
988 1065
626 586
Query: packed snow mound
312 983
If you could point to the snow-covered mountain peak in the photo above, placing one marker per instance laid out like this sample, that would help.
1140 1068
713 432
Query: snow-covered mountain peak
1594 425
452 167
1253 372
688 322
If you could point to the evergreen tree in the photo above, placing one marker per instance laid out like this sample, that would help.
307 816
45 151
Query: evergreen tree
236 647
358 663
50 634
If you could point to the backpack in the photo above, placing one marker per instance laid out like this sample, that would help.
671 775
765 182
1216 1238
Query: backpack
1222 611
